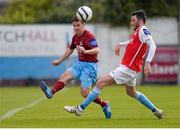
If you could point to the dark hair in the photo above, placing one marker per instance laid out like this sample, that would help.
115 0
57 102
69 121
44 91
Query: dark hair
140 14
74 18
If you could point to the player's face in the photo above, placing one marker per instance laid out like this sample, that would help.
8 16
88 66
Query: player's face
78 27
134 22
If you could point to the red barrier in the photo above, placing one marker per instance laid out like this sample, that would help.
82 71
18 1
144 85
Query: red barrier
164 65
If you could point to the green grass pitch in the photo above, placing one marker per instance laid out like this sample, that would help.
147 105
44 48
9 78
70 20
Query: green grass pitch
126 112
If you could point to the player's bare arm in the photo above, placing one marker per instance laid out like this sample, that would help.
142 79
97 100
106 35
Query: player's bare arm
91 51
147 68
62 58
119 45
117 49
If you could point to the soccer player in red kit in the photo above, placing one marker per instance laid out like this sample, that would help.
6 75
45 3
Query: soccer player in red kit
85 69
136 48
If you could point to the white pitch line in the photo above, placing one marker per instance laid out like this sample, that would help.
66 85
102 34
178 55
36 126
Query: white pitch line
13 111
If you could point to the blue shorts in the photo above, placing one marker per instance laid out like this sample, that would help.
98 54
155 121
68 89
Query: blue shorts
86 72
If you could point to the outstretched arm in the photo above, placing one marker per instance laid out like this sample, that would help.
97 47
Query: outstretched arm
62 58
119 45
124 44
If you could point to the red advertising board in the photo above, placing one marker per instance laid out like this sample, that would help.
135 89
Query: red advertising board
164 65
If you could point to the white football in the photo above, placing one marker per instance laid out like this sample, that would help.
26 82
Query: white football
84 13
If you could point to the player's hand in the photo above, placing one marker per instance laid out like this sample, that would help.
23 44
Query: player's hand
117 49
147 69
56 62
81 49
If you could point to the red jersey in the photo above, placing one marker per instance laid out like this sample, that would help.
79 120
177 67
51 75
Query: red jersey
136 50
88 41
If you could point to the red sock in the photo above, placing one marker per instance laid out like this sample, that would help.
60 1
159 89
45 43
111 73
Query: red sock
99 101
57 86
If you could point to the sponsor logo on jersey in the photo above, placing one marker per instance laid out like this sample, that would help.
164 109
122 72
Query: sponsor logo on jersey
146 32
93 42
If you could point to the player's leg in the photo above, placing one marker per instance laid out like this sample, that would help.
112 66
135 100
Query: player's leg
62 81
98 100
112 78
88 77
64 78
84 92
104 104
117 76
71 73
101 83
131 91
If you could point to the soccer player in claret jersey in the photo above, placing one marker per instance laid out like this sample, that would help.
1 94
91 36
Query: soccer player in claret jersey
85 70
129 68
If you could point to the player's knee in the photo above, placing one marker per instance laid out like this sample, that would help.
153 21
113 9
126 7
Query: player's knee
65 77
100 83
84 94
131 94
